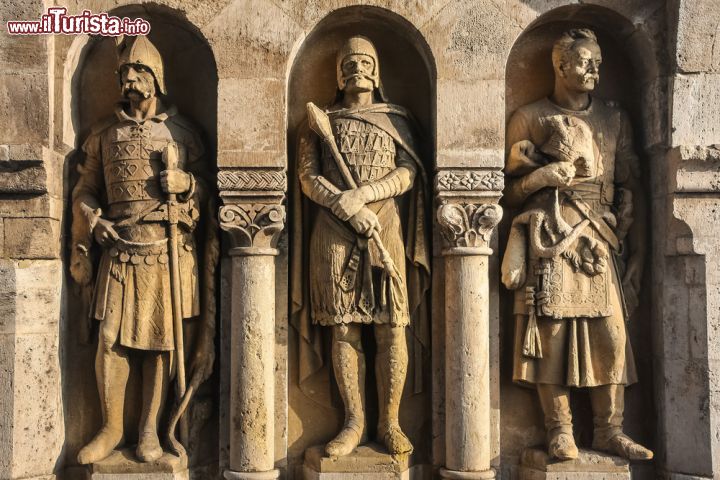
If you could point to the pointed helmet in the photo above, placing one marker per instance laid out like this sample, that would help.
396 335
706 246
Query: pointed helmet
358 45
138 50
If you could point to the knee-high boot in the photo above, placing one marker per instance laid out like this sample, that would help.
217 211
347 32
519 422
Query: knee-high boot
555 402
608 404
391 365
349 366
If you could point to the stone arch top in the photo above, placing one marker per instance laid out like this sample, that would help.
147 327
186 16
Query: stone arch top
407 67
90 88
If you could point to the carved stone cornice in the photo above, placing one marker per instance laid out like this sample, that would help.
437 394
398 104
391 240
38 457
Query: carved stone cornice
467 227
469 181
260 185
255 179
253 229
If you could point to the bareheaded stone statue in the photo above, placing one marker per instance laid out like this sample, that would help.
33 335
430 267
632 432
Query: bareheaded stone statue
572 168
139 198
356 160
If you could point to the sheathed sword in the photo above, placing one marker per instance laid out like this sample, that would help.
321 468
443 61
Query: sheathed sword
170 158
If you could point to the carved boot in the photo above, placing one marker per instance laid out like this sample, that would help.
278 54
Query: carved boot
155 380
555 402
349 366
391 369
112 369
608 404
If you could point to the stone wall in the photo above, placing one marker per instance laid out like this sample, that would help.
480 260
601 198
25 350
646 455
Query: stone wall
243 70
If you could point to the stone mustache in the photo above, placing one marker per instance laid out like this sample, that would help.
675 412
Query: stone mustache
574 173
356 159
140 200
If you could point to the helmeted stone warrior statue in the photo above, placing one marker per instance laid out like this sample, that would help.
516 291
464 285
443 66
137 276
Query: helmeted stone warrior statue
136 160
355 175
573 168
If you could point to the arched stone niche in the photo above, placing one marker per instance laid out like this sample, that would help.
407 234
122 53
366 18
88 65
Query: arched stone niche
630 75
407 71
90 92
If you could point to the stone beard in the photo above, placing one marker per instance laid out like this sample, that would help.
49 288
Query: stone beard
575 172
138 166
356 233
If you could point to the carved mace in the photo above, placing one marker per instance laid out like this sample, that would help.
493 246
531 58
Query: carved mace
320 124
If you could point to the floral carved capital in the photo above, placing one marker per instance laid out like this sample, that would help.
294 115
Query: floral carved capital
468 225
253 225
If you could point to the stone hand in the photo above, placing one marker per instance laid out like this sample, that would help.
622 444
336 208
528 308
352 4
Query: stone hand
365 222
349 202
174 181
105 233
556 174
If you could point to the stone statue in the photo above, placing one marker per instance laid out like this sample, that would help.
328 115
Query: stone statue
355 162
139 196
572 167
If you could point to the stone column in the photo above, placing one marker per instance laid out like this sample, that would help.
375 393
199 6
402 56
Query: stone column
253 230
466 228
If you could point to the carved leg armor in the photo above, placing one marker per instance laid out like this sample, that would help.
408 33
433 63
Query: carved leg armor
112 370
608 404
349 365
555 402
391 369
155 381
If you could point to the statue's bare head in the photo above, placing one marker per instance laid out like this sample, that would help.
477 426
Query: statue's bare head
140 68
576 60
358 69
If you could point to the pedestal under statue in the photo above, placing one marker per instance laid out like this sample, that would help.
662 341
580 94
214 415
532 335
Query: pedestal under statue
574 171
356 159
140 205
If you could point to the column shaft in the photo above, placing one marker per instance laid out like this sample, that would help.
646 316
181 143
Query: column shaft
252 360
467 370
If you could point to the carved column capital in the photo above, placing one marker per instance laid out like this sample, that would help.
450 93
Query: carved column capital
467 227
253 229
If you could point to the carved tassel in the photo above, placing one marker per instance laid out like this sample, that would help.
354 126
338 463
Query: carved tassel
532 346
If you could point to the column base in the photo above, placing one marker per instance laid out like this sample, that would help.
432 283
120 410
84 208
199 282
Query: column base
458 475
123 465
268 475
535 464
366 462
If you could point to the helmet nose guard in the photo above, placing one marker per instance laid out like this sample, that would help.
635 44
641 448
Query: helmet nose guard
359 45
139 50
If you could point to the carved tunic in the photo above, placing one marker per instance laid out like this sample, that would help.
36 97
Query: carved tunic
119 181
346 279
582 321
